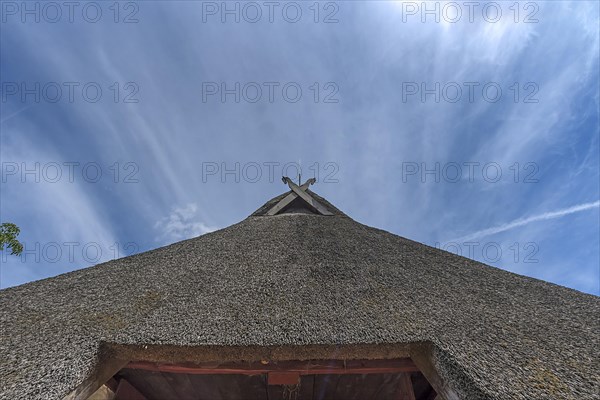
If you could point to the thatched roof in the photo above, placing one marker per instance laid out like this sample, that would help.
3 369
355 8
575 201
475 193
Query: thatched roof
305 280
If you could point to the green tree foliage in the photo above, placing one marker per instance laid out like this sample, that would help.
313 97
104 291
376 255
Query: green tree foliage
8 238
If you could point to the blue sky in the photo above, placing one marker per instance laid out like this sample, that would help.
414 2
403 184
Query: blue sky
380 105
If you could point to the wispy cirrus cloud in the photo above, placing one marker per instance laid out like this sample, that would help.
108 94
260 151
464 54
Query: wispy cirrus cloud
170 132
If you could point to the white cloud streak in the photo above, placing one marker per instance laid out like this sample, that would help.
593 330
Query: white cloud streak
525 221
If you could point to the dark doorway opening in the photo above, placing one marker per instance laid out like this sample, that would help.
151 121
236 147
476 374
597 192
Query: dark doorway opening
397 379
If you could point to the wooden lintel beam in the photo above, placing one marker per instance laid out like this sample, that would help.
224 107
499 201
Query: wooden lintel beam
302 368
283 378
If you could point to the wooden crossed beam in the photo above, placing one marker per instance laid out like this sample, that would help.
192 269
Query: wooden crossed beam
298 191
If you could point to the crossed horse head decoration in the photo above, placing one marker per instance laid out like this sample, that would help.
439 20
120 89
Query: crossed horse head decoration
299 192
